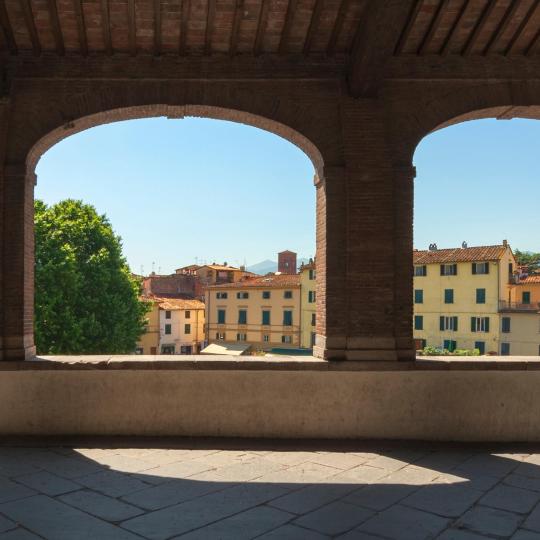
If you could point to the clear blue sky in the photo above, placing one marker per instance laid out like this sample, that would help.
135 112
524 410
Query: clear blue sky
177 190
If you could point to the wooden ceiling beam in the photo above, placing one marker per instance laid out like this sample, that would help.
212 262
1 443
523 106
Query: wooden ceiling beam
434 25
210 16
338 26
132 28
56 29
185 11
261 27
417 6
453 31
503 25
31 26
480 25
81 27
235 31
157 27
106 26
533 46
7 30
285 33
313 25
519 31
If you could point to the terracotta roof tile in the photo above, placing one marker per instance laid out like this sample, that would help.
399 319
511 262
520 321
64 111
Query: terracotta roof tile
456 255
529 279
263 282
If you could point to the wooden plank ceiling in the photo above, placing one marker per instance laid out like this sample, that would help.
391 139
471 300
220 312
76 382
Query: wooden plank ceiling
254 27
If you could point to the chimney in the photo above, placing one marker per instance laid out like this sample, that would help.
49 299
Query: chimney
505 243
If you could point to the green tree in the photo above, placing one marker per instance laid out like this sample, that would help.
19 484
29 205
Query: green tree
86 300
529 259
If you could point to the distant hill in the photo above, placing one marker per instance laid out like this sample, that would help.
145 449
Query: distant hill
264 267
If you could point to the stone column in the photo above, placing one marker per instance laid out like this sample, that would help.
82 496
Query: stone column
18 263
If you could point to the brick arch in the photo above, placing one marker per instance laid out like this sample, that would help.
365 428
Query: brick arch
175 111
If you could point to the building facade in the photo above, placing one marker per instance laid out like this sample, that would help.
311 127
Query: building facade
287 262
308 306
149 342
181 326
261 311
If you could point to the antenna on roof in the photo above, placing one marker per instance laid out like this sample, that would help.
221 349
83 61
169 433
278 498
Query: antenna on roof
153 266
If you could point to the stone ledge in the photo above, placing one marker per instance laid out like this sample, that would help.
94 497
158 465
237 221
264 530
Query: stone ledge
282 363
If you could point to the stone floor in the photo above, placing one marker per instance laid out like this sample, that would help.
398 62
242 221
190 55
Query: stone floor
237 491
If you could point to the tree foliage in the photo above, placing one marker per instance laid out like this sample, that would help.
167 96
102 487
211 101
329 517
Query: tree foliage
529 259
86 300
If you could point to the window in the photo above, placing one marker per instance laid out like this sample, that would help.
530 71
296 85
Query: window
187 328
221 316
242 295
448 296
450 345
481 346
266 338
418 296
480 268
167 314
448 323
479 324
241 337
311 297
286 339
480 296
418 322
313 319
220 336
510 269
312 274
139 350
188 314
266 295
167 349
420 270
525 297
221 295
266 317
313 339
287 318
448 269
167 328
505 325
505 349
287 294
242 316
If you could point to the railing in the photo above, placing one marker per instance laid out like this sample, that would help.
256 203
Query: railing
518 306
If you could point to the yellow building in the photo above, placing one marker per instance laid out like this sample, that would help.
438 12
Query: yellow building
308 305
458 294
260 311
217 274
149 341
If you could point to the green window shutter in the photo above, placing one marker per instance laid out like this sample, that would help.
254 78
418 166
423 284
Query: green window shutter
473 324
418 296
487 324
474 268
455 323
480 296
418 322
526 297
266 318
442 269
441 322
448 296
455 270
487 268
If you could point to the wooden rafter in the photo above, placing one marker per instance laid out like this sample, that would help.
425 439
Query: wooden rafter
210 16
533 46
408 27
453 31
157 27
81 27
106 25
338 25
31 26
285 33
503 25
261 27
313 25
434 25
186 8
6 29
235 32
480 25
132 32
57 30
525 21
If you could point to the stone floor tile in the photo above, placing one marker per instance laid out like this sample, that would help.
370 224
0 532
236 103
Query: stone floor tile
533 520
311 497
387 463
338 460
379 496
56 521
12 466
165 457
100 505
402 523
69 467
180 469
485 520
229 457
411 475
291 532
487 465
112 483
524 482
334 518
361 475
355 534
48 483
443 461
522 534
511 498
6 524
184 517
450 500
297 474
19 534
248 470
244 526
531 470
289 458
476 481
11 491
126 464
458 534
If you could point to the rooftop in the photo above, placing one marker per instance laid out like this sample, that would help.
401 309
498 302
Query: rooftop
529 280
263 282
461 254
172 304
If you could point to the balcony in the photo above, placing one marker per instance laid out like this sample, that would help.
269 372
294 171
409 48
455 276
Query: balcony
506 307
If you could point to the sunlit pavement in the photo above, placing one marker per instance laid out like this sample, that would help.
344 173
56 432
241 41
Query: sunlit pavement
270 490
